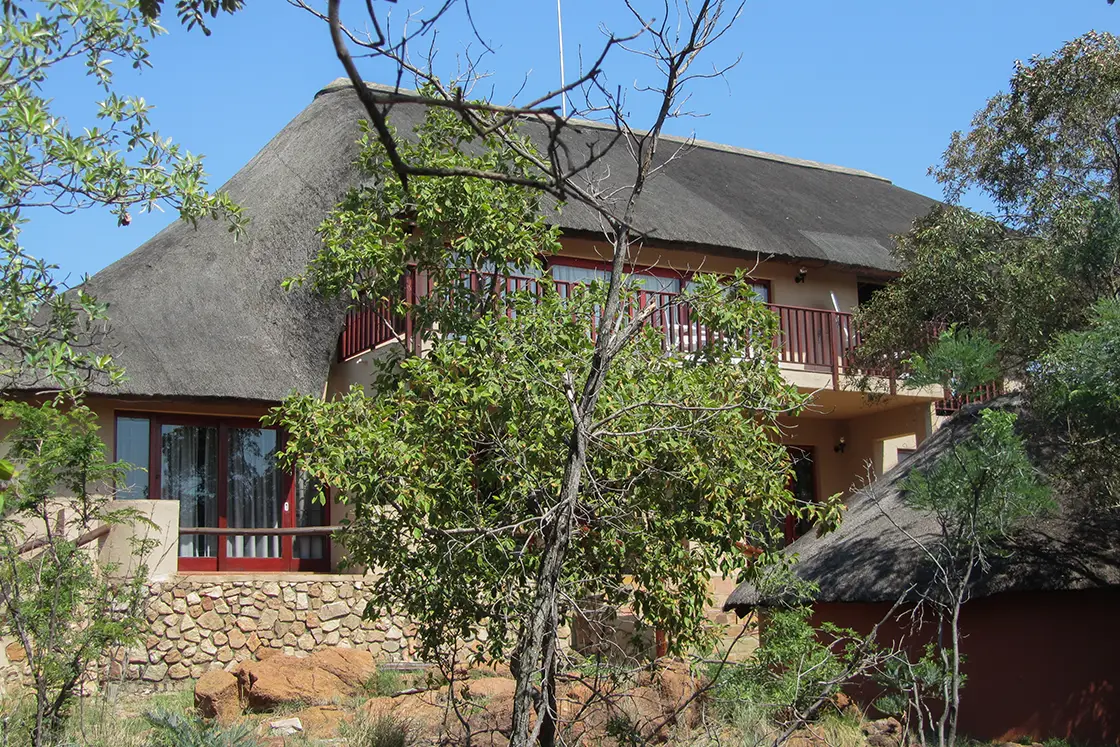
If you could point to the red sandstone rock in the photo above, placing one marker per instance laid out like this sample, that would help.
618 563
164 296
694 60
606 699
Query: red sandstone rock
353 666
216 695
280 680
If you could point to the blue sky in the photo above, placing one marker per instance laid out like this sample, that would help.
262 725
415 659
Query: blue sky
872 84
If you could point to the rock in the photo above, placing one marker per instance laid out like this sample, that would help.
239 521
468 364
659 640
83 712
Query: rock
286 726
16 653
267 619
237 639
886 732
216 696
211 621
321 721
246 624
179 671
271 589
351 666
154 672
333 610
329 593
280 680
220 639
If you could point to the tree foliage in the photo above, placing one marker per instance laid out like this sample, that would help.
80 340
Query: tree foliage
56 601
1045 153
64 608
1076 389
453 460
118 161
1046 150
961 361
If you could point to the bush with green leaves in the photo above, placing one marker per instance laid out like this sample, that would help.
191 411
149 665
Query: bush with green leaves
1075 390
961 360
63 607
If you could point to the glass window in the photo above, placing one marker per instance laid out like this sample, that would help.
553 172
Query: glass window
309 513
656 283
254 488
189 474
133 445
568 275
762 289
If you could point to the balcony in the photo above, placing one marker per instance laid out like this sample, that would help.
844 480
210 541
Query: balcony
812 340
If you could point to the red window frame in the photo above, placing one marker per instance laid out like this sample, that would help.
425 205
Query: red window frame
222 562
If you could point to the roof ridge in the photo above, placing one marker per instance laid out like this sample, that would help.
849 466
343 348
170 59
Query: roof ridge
344 83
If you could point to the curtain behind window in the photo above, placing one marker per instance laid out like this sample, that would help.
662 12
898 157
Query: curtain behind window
189 466
254 490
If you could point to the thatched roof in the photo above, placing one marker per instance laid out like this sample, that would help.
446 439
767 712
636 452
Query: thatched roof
870 558
196 314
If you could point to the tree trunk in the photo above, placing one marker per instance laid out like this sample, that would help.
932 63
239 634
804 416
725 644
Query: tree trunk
531 656
547 711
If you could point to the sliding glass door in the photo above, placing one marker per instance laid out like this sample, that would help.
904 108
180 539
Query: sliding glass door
226 475
254 492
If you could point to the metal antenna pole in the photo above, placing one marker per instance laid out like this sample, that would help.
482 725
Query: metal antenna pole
560 34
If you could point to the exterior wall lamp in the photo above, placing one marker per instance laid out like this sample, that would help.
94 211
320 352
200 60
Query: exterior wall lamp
801 274
840 446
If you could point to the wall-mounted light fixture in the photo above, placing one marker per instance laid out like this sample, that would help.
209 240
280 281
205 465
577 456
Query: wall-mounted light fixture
801 274
840 446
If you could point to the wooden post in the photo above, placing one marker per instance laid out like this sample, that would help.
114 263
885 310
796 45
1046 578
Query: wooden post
834 333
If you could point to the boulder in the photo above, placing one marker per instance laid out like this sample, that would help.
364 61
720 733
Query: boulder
281 680
216 695
353 666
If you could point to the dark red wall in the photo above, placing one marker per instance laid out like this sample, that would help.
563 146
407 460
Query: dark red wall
1039 664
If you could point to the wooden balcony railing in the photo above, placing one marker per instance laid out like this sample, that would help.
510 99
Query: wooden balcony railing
951 404
818 340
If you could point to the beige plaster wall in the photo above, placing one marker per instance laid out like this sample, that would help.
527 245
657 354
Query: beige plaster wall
156 522
872 441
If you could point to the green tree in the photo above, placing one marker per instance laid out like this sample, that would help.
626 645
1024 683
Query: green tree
457 460
64 609
1075 390
1044 153
978 493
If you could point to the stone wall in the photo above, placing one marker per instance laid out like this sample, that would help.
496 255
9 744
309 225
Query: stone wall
202 623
